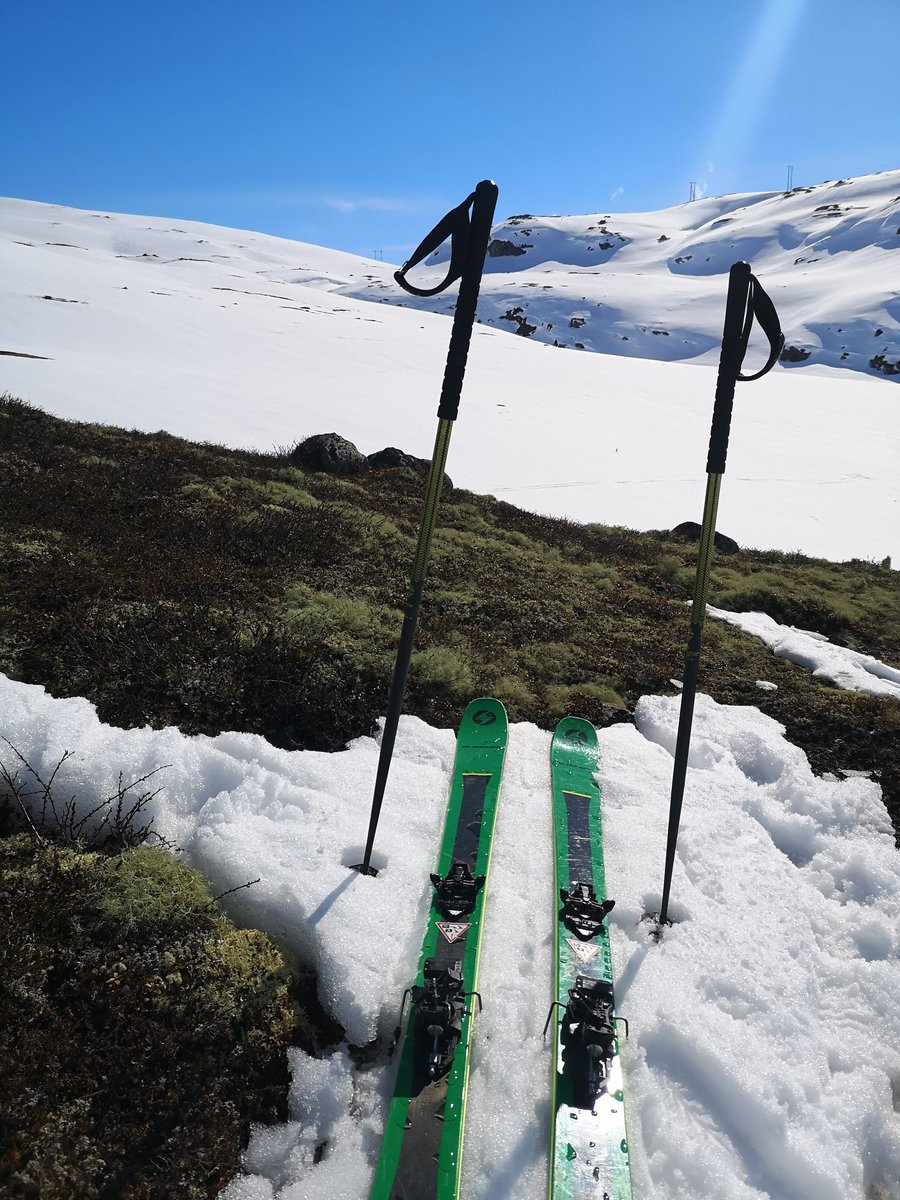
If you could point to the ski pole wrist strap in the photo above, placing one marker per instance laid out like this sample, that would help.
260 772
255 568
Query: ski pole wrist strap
761 307
746 301
456 225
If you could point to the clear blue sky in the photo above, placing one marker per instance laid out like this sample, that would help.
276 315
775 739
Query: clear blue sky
357 124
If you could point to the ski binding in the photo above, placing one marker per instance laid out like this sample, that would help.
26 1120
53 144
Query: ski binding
438 1008
457 891
589 1034
582 912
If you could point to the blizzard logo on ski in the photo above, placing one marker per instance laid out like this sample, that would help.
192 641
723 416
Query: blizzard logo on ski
453 930
578 736
583 951
484 716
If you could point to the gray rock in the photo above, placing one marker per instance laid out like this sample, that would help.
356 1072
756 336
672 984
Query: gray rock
794 354
689 531
329 452
501 249
523 327
883 364
391 457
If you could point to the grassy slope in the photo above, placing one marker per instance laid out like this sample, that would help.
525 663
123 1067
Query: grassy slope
215 589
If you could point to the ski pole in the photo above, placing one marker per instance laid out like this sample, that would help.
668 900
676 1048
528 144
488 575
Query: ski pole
746 300
469 241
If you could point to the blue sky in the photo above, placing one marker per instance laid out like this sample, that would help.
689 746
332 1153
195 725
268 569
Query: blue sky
356 125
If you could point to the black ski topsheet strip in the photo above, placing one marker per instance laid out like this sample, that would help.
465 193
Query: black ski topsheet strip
581 865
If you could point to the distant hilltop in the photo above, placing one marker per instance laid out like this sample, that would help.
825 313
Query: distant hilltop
636 285
651 285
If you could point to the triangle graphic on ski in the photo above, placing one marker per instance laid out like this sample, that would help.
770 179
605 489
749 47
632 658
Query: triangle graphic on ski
583 951
453 930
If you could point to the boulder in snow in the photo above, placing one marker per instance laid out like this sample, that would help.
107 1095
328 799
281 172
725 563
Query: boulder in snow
794 354
881 363
499 248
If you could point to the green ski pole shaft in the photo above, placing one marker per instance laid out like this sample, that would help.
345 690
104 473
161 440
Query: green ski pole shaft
468 251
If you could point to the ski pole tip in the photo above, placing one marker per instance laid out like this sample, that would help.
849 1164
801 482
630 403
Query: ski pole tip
364 861
659 923
364 868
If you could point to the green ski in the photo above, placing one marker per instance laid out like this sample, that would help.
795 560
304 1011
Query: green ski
421 1153
589 1146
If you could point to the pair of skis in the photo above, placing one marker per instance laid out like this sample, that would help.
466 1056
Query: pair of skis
421 1153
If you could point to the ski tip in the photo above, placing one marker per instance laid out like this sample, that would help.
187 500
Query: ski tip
575 733
484 721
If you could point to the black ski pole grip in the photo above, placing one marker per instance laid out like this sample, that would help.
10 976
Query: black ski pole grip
738 316
483 205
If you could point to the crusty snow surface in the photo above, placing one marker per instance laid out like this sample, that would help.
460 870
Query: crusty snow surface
764 1045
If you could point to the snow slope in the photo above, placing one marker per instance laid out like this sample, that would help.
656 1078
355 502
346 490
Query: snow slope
650 285
220 335
764 1045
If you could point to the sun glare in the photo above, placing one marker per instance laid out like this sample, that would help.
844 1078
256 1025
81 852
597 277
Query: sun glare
742 107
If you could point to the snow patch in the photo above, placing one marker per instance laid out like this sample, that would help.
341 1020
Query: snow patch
765 1027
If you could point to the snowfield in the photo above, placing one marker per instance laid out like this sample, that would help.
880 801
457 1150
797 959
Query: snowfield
764 1027
235 337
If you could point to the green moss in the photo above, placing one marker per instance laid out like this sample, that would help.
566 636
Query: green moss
148 885
31 549
98 460
513 693
342 622
550 662
140 1032
563 700
600 574
443 667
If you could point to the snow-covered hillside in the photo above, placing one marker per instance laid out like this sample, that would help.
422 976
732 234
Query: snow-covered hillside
236 337
649 285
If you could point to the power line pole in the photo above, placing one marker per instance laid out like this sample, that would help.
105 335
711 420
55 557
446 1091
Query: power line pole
790 181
